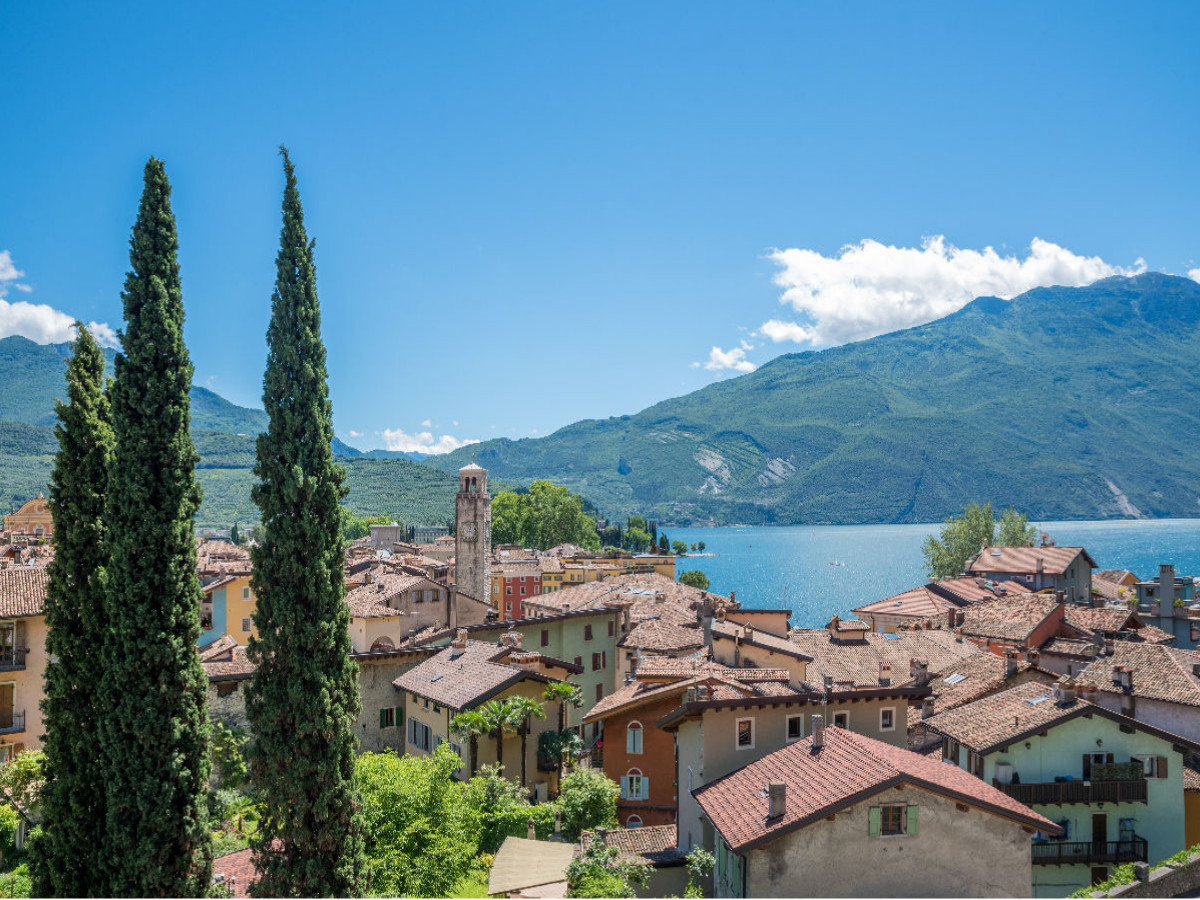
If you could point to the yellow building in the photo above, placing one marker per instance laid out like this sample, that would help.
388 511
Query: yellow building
228 608
583 568
23 657
33 518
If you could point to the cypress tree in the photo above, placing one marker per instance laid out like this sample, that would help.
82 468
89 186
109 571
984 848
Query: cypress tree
155 730
303 698
67 860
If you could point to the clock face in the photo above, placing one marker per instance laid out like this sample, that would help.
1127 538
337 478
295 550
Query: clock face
468 531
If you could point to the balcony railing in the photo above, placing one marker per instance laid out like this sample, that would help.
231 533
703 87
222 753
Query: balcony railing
1063 792
1069 853
11 660
12 722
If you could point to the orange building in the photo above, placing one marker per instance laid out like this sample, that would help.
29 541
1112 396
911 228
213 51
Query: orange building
33 518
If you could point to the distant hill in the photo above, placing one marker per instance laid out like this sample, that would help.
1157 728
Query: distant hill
1064 402
33 376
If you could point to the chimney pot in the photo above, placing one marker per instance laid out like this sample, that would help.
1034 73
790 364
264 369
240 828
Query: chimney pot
818 732
777 799
1010 662
927 708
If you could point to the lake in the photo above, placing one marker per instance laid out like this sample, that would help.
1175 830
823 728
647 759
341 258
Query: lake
790 568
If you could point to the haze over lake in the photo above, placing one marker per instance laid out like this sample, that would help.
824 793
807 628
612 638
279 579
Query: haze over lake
791 567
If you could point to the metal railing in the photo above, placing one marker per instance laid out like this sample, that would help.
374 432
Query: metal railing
1069 853
12 722
1064 792
12 659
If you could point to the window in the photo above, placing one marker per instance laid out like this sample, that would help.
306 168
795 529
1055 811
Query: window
419 735
522 590
416 596
579 661
975 763
633 822
598 661
949 751
1154 766
429 595
795 728
246 623
633 738
635 786
387 716
508 589
545 637
887 718
891 820
599 692
745 734
587 632
245 593
495 588
841 720
1094 759
611 626
508 606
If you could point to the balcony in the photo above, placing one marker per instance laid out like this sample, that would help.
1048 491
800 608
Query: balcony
12 660
1059 793
1070 853
12 722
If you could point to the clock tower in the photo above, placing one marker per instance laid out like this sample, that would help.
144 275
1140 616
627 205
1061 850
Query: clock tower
473 534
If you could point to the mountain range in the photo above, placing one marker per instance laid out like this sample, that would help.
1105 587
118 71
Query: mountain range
1072 403
1067 403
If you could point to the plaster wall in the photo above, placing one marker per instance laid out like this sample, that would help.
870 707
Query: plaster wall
27 686
375 679
955 853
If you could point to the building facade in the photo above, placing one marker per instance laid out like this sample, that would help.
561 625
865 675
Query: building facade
473 533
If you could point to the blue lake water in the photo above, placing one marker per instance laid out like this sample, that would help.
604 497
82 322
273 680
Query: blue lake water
790 567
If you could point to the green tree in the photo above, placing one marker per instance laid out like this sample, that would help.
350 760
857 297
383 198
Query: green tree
422 835
637 539
699 863
961 537
700 546
508 518
235 536
694 578
598 872
664 545
564 694
523 711
303 698
544 516
679 548
154 730
1014 530
588 799
69 856
471 724
498 714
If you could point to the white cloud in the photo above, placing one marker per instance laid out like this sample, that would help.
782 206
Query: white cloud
455 423
422 441
734 359
1194 274
354 434
37 321
871 288
427 424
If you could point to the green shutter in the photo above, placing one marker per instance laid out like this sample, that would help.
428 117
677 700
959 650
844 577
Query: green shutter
874 821
383 718
910 818
399 716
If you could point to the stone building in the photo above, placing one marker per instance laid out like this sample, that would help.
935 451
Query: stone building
473 534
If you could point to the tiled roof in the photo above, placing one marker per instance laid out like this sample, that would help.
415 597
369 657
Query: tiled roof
1068 647
757 637
973 589
724 683
1103 620
1191 780
975 677
1024 560
648 846
23 591
236 871
638 590
1159 672
219 647
373 601
1002 718
1013 617
849 768
219 582
1115 576
917 603
461 679
858 662
1112 593
231 665
1151 634
658 667
663 635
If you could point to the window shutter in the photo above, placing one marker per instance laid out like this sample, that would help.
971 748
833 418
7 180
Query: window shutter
1108 758
19 641
910 820
383 718
645 795
399 716
874 821
1087 766
18 748
1162 767
625 787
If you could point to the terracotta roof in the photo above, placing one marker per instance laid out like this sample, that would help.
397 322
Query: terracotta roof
637 590
219 647
917 603
23 591
219 582
975 677
1013 617
973 589
849 768
652 845
1115 576
521 864
1191 780
757 637
1103 619
1000 719
374 600
1068 647
1159 672
1024 560
663 635
675 667
462 679
236 871
858 662
230 665
1152 634
723 682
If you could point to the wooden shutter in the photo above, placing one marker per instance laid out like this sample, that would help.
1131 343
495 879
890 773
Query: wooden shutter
910 820
625 787
1161 767
1087 766
19 642
645 795
874 821
383 718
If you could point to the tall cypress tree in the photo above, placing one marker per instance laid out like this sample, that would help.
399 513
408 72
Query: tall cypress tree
303 699
155 730
68 860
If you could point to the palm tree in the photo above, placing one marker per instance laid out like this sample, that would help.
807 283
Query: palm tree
562 693
472 725
523 710
500 723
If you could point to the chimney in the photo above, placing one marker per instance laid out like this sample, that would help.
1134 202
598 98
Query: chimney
531 830
885 673
818 732
511 639
1166 591
566 608
1033 655
918 671
1109 646
459 644
960 617
1041 565
950 617
777 799
691 695
1090 692
1068 693
926 708
732 598
748 633
1010 662
1196 669
958 635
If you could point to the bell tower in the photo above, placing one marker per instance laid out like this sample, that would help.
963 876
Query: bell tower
473 534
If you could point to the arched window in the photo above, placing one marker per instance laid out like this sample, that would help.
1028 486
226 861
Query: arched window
634 821
383 643
633 738
635 786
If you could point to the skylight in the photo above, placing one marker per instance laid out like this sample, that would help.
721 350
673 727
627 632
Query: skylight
1036 700
956 678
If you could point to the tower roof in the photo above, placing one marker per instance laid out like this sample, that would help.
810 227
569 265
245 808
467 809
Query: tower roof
472 467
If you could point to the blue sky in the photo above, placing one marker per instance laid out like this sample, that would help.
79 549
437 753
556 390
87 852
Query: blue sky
527 214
